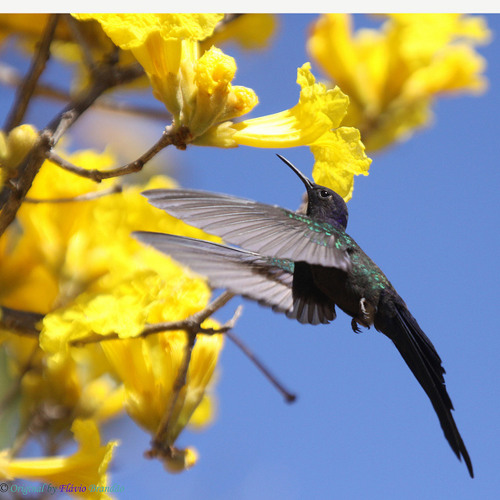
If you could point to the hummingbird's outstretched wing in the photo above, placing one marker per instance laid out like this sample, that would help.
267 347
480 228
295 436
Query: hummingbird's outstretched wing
266 229
424 362
267 280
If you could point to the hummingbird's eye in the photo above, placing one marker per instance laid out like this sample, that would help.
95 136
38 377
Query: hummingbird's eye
324 194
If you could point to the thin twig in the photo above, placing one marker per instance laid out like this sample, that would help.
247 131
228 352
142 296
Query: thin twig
289 397
25 323
165 140
158 113
82 197
159 443
25 91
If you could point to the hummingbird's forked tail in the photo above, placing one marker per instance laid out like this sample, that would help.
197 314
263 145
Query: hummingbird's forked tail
423 360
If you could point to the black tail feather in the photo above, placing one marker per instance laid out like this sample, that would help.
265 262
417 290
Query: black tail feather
422 359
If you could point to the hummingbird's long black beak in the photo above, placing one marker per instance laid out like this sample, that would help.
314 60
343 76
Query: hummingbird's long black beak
308 184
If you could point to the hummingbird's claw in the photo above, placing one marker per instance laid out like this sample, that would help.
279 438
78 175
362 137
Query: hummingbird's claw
355 327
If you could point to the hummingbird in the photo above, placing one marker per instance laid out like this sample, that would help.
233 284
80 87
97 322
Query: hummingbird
302 264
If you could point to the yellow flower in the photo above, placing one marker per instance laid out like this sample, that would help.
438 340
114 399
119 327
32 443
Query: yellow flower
314 122
62 260
148 369
82 475
106 282
196 88
393 74
339 156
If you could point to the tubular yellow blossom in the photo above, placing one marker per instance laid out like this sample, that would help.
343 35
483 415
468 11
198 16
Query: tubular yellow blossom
393 74
314 122
216 99
214 71
196 88
105 283
131 31
148 369
75 385
317 111
86 467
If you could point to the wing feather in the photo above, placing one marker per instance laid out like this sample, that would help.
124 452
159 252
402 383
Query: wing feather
265 229
269 281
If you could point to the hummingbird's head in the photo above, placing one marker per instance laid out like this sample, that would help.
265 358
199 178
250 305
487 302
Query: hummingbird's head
323 204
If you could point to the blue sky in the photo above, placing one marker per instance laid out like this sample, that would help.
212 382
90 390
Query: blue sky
428 215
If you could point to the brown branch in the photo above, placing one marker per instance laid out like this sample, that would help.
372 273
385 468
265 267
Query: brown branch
21 322
166 139
25 91
82 197
159 444
160 114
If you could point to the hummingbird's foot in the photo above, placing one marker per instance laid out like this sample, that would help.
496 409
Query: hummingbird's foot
355 327
367 313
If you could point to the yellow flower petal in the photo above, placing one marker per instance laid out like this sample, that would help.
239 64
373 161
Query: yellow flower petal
214 71
129 31
339 156
317 111
204 413
84 468
457 69
392 74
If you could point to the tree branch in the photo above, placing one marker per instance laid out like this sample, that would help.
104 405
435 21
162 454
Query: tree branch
21 322
168 137
25 91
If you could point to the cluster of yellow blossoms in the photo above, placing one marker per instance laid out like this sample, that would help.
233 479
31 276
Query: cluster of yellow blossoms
393 74
75 266
76 263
